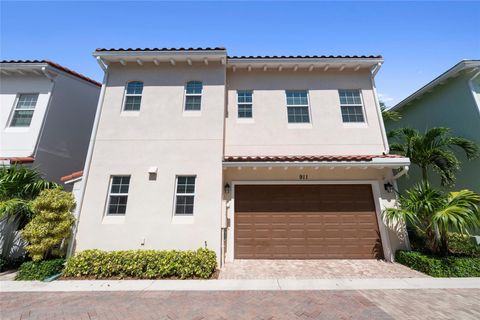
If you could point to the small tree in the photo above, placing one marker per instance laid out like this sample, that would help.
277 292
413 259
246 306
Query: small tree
434 214
51 224
389 115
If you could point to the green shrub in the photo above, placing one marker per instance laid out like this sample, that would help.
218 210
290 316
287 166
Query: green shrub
142 264
463 245
40 270
451 266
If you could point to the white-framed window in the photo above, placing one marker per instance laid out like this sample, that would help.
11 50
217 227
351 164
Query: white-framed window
193 96
297 106
23 110
352 105
245 103
118 195
184 195
133 96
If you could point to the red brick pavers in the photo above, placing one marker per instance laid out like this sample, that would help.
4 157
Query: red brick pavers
367 304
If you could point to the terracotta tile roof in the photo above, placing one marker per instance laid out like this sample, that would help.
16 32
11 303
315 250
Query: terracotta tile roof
307 57
307 158
57 66
160 49
18 159
74 175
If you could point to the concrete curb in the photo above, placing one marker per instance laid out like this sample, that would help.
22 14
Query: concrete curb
239 285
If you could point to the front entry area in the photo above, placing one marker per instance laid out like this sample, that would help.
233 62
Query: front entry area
307 221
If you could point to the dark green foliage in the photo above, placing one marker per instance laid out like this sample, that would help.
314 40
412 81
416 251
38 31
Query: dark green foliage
142 264
452 266
463 245
40 270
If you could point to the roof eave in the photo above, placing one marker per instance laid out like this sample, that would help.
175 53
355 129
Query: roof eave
363 62
375 162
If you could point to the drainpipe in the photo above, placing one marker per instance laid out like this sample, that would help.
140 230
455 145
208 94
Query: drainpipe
88 159
374 71
401 173
472 87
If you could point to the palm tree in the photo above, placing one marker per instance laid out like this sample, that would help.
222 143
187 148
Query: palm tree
18 187
435 149
389 115
434 214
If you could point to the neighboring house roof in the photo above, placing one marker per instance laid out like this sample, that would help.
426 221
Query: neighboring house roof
340 158
452 72
18 160
52 64
71 176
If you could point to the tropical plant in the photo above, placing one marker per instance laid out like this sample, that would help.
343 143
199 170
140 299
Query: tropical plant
435 149
18 187
434 214
389 115
51 223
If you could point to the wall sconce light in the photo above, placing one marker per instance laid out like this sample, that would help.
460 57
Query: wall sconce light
388 187
226 188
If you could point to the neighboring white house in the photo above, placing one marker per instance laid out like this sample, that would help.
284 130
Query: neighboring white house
46 116
253 157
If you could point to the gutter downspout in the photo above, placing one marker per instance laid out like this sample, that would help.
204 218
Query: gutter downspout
401 173
88 159
374 71
472 87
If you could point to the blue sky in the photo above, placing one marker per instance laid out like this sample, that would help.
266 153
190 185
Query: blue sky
419 40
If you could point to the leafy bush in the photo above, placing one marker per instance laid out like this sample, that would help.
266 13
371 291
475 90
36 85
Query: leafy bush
451 266
10 263
40 270
51 224
142 264
463 245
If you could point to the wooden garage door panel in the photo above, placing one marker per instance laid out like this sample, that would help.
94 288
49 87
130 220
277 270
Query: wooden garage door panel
305 222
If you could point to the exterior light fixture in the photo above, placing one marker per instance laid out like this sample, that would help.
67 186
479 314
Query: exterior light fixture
226 188
388 187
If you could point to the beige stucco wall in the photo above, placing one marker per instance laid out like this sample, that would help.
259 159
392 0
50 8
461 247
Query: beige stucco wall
159 135
393 237
270 133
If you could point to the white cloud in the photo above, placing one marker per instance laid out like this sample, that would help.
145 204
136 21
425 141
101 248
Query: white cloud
384 97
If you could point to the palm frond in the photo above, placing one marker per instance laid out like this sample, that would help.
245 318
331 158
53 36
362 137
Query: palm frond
471 149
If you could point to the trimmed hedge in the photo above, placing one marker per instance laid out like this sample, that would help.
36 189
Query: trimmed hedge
40 270
142 264
451 266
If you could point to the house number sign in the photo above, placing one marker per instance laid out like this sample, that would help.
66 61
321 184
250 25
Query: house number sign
303 176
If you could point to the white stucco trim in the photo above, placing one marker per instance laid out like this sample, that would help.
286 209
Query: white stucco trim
387 249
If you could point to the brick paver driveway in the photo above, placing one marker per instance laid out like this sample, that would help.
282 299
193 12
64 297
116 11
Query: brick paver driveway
315 269
368 304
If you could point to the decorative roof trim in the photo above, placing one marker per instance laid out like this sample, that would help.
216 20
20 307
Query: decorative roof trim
54 65
319 158
160 49
72 176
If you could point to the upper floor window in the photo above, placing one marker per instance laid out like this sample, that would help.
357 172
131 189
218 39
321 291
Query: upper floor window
297 107
118 195
184 195
351 105
193 96
23 111
244 103
133 96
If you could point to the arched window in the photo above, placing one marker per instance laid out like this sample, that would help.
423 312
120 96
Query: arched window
193 96
133 96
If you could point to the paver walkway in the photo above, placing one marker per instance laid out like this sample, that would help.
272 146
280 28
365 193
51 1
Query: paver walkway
352 304
316 269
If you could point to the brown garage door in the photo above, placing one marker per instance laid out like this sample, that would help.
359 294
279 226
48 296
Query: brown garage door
306 222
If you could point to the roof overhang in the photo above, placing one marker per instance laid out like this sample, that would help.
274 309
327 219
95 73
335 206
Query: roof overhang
38 69
379 163
8 161
338 64
455 71
162 56
73 177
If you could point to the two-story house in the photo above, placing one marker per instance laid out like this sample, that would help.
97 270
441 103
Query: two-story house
46 116
253 157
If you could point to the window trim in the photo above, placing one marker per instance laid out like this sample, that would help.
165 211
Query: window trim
362 105
132 95
299 124
109 193
244 119
175 194
14 108
185 95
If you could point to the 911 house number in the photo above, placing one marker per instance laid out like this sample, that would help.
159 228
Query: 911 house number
303 176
